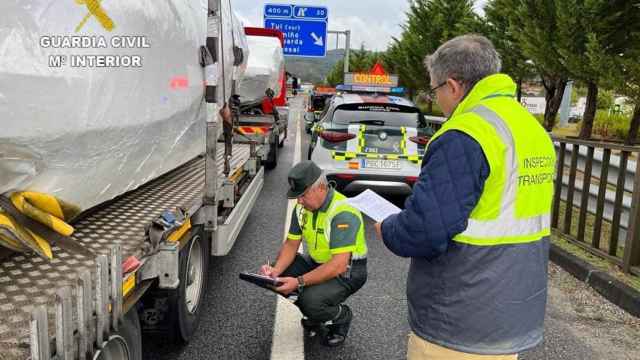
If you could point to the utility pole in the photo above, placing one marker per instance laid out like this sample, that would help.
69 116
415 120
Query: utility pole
565 105
347 45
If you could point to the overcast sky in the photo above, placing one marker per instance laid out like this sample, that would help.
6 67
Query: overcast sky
372 22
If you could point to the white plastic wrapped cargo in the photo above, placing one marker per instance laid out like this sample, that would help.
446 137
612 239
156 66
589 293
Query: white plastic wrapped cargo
230 38
264 69
97 98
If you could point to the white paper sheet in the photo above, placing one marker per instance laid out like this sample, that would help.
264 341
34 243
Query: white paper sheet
373 205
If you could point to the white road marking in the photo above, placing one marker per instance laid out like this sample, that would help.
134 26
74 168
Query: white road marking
288 342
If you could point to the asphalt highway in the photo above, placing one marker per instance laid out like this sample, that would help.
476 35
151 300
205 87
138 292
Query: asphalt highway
239 319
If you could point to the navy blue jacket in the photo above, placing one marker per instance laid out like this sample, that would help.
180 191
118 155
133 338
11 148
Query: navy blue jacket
452 178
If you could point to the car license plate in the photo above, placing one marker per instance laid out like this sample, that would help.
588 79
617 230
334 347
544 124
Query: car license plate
380 164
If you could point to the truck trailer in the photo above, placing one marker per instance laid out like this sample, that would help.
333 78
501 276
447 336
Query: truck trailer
137 261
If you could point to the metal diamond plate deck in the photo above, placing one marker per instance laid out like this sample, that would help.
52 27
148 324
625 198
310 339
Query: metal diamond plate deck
27 280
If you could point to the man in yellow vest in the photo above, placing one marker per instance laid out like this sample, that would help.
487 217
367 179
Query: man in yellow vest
335 263
477 224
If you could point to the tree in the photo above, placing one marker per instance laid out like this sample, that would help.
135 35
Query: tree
574 33
359 61
397 61
429 24
592 30
616 51
622 69
498 16
336 75
534 25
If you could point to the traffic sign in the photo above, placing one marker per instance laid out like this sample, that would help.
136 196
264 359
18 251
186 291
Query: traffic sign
304 28
310 12
275 10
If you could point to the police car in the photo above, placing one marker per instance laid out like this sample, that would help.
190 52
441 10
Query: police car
370 141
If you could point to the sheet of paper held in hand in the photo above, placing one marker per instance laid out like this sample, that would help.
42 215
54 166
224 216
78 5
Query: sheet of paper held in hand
373 205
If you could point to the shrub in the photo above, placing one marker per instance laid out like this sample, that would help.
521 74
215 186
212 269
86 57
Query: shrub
423 108
611 126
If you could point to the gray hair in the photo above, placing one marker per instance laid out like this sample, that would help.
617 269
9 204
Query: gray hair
467 59
322 180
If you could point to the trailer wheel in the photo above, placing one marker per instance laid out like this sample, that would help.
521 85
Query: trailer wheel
126 343
272 159
187 302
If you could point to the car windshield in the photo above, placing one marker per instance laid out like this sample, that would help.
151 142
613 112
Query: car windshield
380 115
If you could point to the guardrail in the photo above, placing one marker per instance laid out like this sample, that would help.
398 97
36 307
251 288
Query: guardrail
612 205
626 254
613 173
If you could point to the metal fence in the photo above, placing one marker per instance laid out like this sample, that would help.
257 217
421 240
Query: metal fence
593 231
600 216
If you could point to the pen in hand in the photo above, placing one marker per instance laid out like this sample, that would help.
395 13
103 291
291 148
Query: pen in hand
266 269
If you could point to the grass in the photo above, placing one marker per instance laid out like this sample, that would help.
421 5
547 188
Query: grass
570 130
597 261
605 233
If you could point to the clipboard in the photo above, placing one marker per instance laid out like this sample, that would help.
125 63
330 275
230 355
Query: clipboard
266 282
260 280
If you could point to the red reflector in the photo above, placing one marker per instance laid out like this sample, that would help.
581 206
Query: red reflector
179 82
130 264
420 140
253 130
411 179
345 176
334 136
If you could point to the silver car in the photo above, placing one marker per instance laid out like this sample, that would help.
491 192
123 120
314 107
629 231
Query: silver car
370 141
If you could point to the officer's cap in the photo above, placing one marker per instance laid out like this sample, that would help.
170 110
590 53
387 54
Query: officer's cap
301 177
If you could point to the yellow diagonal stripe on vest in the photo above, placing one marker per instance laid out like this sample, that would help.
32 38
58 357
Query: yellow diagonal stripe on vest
95 10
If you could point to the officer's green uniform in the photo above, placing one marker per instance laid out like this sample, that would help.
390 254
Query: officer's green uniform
334 228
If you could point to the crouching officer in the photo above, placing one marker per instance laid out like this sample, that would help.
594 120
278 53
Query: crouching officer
334 265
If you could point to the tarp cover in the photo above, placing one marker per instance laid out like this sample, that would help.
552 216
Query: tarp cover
99 97
264 70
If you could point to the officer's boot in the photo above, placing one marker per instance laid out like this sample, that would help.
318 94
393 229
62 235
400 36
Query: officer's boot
312 328
339 328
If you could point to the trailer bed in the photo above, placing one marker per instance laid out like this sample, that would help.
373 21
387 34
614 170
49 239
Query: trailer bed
27 281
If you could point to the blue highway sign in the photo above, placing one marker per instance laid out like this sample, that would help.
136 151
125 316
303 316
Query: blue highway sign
304 28
310 12
274 10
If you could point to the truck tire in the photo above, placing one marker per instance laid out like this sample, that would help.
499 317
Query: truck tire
186 302
126 343
286 133
272 159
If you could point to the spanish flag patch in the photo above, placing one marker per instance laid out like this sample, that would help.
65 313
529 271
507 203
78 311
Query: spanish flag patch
343 226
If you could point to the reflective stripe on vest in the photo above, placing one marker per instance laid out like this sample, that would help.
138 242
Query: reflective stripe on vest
506 228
